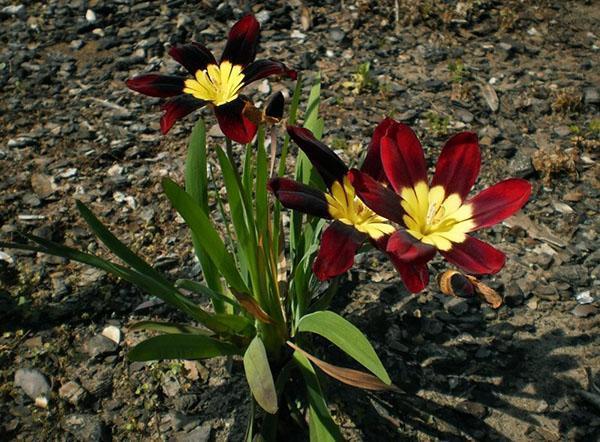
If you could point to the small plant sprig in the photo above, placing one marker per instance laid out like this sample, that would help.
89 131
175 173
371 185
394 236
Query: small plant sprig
361 80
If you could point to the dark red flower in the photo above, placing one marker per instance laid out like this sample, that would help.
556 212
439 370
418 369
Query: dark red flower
353 222
217 84
437 216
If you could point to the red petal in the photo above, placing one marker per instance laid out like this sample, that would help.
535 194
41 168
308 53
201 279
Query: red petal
402 157
458 165
496 203
242 41
380 199
327 163
339 244
194 57
233 123
265 68
475 256
372 164
298 196
414 276
156 85
177 108
406 248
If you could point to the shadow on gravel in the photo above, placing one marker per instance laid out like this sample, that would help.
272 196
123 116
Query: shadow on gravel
456 371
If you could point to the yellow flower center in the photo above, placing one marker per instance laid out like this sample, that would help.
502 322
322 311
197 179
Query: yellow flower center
346 207
434 218
218 84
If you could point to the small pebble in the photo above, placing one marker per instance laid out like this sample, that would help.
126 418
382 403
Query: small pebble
33 382
583 311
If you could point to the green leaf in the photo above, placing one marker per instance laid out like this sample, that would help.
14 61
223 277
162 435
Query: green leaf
156 288
196 175
117 247
321 425
261 200
312 121
259 376
210 239
180 346
196 184
201 289
169 327
164 291
347 337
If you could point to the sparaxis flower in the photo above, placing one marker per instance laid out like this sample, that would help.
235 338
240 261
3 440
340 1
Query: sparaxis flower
216 84
437 215
353 222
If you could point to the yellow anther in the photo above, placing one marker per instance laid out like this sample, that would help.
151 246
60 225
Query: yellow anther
218 84
346 207
435 218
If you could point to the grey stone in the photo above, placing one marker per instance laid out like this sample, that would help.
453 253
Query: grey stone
14 10
337 35
98 383
33 382
457 306
100 346
591 95
547 292
199 434
584 310
72 392
520 166
463 115
513 295
86 427
263 16
21 142
473 408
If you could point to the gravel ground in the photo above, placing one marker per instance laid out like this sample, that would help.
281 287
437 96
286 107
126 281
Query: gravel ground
523 75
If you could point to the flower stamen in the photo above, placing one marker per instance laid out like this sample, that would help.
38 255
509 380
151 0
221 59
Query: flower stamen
218 84
346 207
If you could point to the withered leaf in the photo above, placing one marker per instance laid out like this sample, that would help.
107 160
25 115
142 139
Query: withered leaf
252 307
348 376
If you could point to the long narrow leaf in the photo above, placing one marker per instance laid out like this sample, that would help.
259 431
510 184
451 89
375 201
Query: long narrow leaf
117 247
347 337
182 346
201 289
261 187
169 327
210 239
322 427
196 184
348 376
166 292
312 121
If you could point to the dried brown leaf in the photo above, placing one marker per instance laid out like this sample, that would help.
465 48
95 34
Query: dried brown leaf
348 376
253 308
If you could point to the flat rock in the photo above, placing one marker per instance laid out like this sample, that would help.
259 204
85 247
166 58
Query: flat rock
199 434
86 427
33 382
72 392
100 345
584 310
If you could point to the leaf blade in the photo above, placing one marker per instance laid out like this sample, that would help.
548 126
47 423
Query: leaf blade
322 427
201 225
259 376
348 376
347 337
180 346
